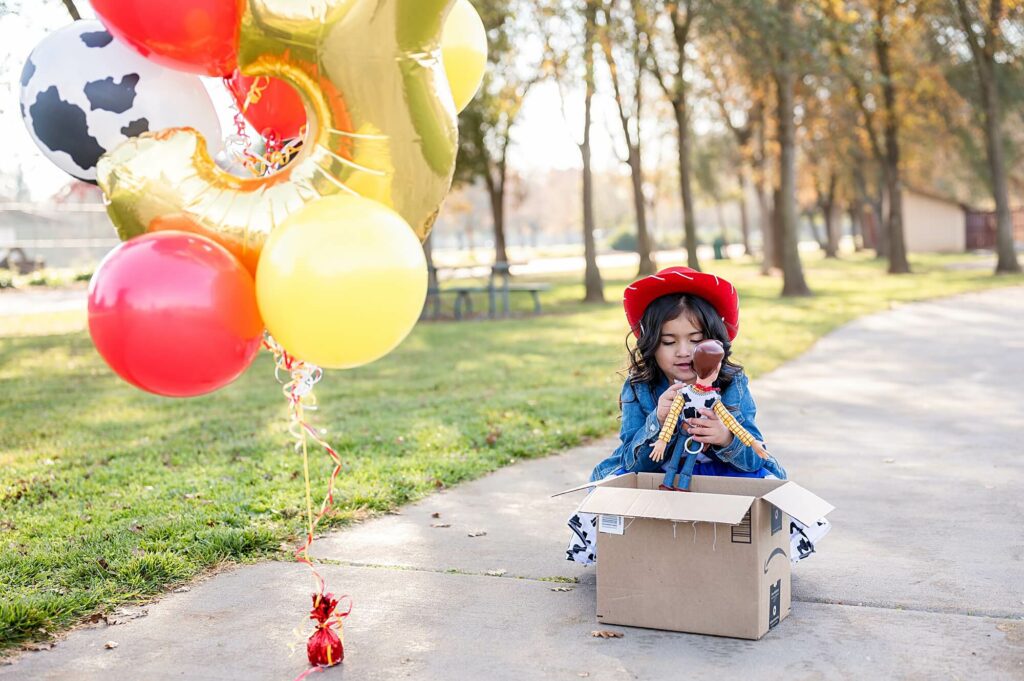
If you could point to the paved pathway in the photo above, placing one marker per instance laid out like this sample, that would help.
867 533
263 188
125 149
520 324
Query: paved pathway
922 577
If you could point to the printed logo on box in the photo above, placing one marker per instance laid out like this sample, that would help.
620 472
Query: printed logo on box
774 604
776 519
611 524
741 532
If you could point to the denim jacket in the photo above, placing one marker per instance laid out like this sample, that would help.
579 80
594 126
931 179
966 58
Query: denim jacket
640 429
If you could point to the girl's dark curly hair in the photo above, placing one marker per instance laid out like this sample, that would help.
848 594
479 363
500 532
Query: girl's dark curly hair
643 366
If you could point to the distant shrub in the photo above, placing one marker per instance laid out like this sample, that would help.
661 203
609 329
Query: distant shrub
623 240
6 279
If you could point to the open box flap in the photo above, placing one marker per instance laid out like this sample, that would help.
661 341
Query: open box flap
617 481
662 505
799 503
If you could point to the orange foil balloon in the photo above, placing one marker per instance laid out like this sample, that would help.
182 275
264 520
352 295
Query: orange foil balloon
381 125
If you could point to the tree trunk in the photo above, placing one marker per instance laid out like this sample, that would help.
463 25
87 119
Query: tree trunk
897 245
793 282
685 183
744 216
428 253
768 241
878 207
831 232
593 285
767 212
856 232
1006 253
828 209
984 57
812 220
720 213
496 192
643 238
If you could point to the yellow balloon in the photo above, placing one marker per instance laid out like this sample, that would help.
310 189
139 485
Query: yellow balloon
464 50
381 126
341 282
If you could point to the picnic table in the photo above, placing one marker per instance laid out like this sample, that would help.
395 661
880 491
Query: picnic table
499 288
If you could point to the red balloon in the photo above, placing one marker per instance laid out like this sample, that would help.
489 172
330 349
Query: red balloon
174 314
198 36
279 107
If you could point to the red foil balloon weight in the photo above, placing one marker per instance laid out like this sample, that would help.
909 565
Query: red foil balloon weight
174 314
325 648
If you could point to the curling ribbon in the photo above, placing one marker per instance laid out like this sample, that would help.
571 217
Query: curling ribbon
298 379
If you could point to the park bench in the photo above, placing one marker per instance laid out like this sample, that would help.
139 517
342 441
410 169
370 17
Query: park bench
463 303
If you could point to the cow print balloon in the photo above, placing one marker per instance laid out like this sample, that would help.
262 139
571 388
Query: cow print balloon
83 93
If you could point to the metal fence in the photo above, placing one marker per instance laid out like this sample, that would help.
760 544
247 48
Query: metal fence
63 236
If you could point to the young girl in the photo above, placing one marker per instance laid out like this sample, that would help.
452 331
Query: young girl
669 313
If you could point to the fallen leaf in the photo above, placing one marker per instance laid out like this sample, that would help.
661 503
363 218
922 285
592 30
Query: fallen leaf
439 483
477 533
435 514
102 562
496 573
1014 631
182 589
493 436
44 645
110 645
440 524
606 633
561 588
123 615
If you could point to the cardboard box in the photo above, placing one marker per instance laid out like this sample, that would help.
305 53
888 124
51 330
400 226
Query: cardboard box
714 560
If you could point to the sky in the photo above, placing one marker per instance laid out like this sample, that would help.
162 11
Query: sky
543 140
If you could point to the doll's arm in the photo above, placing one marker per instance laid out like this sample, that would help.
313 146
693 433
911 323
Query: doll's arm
738 430
669 427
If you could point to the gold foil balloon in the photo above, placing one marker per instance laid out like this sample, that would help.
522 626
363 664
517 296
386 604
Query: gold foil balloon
381 126
464 47
341 282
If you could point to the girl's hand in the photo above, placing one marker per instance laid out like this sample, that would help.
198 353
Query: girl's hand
709 429
665 401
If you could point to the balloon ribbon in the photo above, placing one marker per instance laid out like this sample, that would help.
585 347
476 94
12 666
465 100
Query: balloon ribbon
297 379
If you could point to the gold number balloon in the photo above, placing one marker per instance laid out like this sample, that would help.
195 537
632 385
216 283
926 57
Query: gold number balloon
381 125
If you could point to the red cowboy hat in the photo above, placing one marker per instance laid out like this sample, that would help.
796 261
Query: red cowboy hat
717 291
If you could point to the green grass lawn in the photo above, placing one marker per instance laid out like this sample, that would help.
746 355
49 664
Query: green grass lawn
109 495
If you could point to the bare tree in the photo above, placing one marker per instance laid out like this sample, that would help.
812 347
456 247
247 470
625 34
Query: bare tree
984 34
680 17
624 50
573 46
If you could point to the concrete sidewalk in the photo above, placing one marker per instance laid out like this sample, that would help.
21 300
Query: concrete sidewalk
908 421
